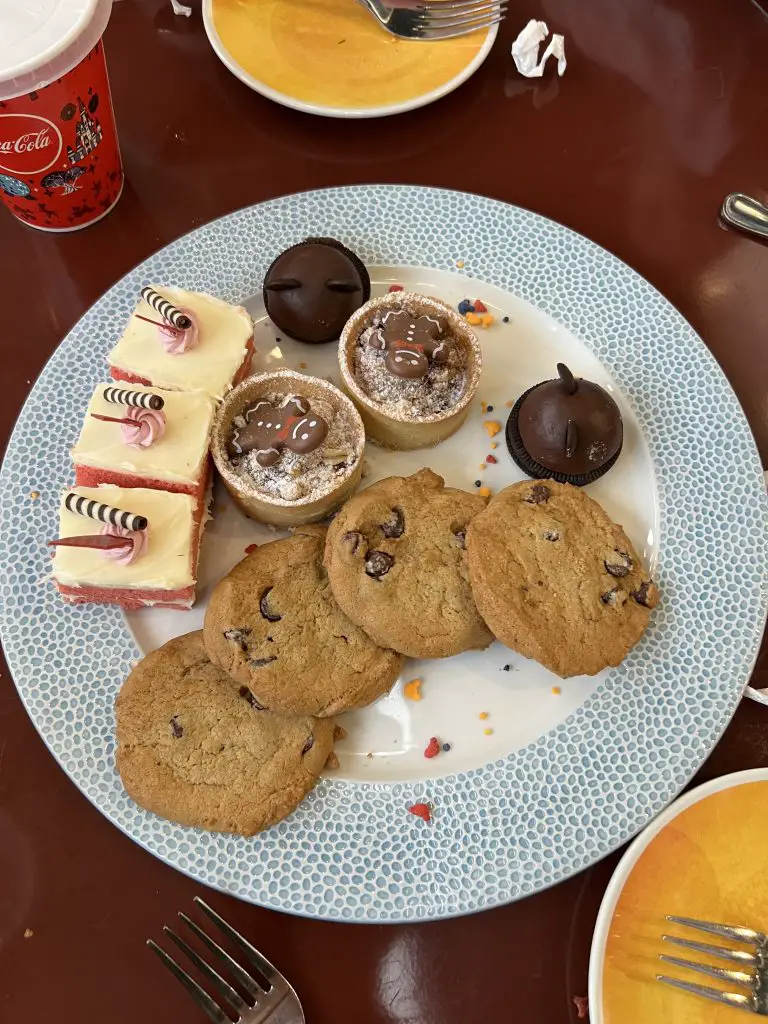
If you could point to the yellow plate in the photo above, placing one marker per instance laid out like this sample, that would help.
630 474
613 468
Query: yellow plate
702 858
330 57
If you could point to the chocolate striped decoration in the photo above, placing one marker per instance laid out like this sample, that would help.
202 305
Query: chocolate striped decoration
165 308
104 513
138 399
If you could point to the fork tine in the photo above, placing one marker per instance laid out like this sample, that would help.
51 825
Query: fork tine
724 952
723 973
232 997
438 16
451 18
447 5
450 33
201 997
242 976
271 973
725 931
737 1000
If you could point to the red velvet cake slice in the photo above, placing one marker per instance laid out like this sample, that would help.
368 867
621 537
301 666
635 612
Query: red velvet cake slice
156 565
145 437
184 341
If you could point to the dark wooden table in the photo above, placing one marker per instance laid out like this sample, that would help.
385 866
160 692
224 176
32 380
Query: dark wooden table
661 113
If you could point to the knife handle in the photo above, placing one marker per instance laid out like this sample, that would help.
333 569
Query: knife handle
746 213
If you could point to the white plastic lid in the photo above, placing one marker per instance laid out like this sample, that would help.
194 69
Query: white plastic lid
41 40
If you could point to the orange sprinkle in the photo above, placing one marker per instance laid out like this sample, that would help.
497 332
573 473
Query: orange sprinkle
412 690
483 715
510 404
487 319
484 492
34 495
481 465
460 264
494 445
556 690
473 318
488 732
491 427
302 366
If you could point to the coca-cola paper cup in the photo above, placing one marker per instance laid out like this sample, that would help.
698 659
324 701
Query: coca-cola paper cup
60 166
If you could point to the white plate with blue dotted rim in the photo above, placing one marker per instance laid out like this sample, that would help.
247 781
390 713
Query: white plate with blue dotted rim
562 778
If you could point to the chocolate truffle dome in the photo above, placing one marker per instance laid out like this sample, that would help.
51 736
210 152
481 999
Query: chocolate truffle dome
568 428
313 288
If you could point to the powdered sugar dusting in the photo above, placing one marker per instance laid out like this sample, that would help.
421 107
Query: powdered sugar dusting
439 391
309 476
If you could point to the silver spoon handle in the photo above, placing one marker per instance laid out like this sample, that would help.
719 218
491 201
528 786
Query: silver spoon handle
746 213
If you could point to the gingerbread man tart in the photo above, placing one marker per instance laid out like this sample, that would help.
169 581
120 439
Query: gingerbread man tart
288 447
411 365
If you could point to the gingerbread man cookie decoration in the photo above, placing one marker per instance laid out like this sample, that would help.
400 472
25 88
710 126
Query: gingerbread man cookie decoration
270 428
410 342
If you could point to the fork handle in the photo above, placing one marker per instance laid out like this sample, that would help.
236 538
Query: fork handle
746 213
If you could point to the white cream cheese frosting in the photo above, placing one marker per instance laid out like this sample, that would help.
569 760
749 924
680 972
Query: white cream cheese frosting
166 564
178 456
224 333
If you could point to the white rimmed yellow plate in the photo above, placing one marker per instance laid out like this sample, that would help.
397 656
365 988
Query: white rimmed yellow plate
701 858
330 57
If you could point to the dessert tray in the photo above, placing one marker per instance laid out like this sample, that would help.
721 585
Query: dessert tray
542 776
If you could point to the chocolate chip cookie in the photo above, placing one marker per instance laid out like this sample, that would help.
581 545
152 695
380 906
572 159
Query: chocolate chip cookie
275 627
194 748
397 565
556 579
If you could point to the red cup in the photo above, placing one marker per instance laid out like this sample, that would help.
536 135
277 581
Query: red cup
60 166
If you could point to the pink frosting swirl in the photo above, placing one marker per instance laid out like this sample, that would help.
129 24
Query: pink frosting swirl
126 555
176 342
148 426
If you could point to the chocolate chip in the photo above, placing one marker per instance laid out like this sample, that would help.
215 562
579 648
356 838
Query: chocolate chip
551 535
641 594
396 525
609 597
538 495
264 607
378 563
258 662
619 569
246 693
176 729
308 745
237 636
353 541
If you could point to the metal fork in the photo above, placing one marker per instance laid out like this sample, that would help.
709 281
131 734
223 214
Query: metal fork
270 1000
754 977
436 19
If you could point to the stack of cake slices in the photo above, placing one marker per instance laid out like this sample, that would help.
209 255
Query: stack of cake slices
130 528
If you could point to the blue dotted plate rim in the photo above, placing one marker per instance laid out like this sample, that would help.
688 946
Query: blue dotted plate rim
523 822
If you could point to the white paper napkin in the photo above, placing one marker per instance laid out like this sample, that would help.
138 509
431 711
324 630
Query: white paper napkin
525 50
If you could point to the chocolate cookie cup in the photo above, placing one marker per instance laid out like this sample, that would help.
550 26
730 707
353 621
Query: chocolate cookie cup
411 365
312 288
568 429
288 447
